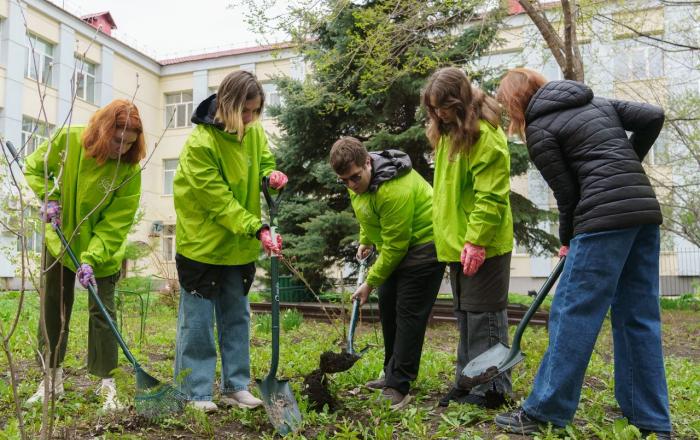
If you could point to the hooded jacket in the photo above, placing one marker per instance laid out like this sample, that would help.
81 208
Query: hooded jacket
395 213
99 200
580 145
472 196
216 191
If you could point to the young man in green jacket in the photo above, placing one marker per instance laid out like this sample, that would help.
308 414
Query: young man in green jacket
393 205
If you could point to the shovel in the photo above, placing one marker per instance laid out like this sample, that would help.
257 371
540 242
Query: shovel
337 362
501 358
154 399
278 398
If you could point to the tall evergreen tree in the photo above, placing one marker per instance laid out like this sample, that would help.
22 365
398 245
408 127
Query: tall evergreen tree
369 61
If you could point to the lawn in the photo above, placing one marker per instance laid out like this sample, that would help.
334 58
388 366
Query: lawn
361 415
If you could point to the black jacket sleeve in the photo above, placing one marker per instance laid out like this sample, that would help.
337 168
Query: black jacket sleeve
547 156
643 120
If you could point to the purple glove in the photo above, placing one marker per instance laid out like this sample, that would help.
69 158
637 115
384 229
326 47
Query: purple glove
51 212
86 275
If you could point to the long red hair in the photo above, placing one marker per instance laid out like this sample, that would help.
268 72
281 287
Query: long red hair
514 94
119 114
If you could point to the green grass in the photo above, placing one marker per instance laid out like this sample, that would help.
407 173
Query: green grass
77 415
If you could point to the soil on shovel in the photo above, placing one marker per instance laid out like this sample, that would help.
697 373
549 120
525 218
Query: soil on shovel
337 362
276 409
468 383
316 389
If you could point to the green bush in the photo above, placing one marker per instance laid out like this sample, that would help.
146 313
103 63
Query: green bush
291 319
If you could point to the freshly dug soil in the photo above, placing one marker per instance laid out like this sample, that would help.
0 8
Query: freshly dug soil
468 383
316 389
337 362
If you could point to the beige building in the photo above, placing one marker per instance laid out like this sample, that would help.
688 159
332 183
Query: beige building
65 61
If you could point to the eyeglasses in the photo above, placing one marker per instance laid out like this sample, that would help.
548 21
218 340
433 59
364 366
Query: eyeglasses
355 178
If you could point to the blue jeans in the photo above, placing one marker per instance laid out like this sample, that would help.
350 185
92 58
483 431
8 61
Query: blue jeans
195 353
614 270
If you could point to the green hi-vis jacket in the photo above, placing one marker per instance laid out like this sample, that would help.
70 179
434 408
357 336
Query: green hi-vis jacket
217 194
100 200
394 218
471 200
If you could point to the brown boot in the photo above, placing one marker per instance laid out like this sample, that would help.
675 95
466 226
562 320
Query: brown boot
394 396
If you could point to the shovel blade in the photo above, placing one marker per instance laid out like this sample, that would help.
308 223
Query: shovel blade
493 357
280 405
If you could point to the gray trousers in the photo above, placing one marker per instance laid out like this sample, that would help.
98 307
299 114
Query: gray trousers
480 307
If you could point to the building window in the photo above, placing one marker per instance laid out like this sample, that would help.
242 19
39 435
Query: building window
33 230
633 63
169 242
39 59
169 167
178 106
272 98
34 132
85 80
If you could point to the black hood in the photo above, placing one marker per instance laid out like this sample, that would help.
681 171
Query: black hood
556 96
387 165
206 110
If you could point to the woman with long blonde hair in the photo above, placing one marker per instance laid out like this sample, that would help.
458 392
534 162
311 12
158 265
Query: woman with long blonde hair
219 233
472 220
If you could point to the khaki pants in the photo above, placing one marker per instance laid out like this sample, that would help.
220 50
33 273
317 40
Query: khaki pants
102 345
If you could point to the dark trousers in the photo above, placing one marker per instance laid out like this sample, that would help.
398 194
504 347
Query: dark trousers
102 345
405 302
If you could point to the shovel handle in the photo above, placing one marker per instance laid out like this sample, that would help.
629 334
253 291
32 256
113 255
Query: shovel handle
356 305
541 294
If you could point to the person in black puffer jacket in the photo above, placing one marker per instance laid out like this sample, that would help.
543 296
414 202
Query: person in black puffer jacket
609 227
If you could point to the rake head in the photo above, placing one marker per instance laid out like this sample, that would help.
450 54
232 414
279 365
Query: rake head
155 400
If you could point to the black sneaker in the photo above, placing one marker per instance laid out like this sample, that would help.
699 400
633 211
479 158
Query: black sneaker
518 422
660 435
457 394
491 400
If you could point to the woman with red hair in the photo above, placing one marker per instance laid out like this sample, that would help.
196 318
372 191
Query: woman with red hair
89 181
609 227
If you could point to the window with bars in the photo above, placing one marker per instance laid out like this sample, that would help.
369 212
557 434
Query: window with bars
169 242
85 80
169 167
178 106
39 57
34 132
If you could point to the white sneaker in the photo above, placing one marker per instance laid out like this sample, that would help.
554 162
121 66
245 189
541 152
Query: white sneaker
38 396
241 399
108 392
203 405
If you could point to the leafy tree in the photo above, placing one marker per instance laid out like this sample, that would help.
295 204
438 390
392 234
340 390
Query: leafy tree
369 61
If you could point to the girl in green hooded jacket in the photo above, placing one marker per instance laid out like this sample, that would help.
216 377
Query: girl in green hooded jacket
89 181
219 232
472 220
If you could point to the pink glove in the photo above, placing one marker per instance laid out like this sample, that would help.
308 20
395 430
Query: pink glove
268 245
86 275
51 212
564 251
472 258
278 179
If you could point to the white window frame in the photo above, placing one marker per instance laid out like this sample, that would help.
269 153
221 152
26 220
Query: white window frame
168 250
34 132
85 79
628 54
44 60
179 120
169 167
272 97
33 235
